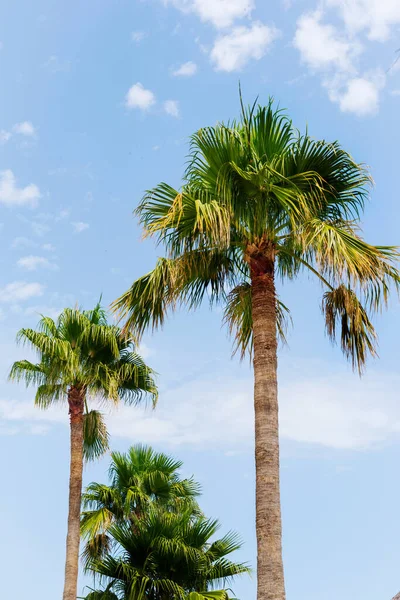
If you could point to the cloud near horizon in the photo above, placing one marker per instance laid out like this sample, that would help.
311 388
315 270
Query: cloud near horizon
337 412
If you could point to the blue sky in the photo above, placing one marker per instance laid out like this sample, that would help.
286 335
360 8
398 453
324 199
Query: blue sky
98 100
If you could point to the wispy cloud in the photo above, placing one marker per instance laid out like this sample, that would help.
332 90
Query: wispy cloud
24 128
32 263
171 107
138 36
221 14
337 411
138 97
79 226
18 291
334 38
187 69
12 195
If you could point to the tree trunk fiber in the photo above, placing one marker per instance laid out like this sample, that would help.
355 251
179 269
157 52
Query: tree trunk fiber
270 576
76 406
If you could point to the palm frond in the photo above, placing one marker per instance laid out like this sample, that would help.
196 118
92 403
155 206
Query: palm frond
238 317
343 309
95 435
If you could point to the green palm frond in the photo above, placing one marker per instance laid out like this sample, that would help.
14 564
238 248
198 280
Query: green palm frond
50 393
343 309
24 370
197 274
106 594
95 435
209 595
238 318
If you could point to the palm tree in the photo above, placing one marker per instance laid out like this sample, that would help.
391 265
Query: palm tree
139 478
165 555
260 201
82 357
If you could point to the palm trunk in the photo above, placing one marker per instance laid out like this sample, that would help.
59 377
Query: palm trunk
270 577
76 406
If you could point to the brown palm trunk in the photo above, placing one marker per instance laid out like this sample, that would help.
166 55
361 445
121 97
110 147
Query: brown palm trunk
76 397
270 577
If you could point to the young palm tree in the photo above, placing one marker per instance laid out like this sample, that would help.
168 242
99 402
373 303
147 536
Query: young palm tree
82 357
164 555
259 201
140 478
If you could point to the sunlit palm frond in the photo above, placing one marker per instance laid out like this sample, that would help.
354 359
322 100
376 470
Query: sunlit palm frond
106 594
185 218
96 548
238 317
24 370
44 344
49 393
95 435
343 310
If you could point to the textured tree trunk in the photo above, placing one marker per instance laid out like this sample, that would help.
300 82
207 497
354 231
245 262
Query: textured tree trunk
270 577
76 397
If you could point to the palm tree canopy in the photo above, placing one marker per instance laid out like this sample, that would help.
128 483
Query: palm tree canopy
257 190
138 479
82 350
164 554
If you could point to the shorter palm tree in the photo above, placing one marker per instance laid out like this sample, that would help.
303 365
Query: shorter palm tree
81 358
139 478
164 555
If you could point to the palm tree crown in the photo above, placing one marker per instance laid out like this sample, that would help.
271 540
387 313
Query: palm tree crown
256 191
147 538
139 478
82 351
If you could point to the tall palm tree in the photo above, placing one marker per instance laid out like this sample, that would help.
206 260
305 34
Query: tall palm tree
260 201
139 478
165 555
82 358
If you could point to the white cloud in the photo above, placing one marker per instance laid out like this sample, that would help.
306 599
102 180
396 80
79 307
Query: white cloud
171 107
232 51
395 92
4 136
24 128
23 242
321 46
48 247
336 51
11 195
18 291
341 412
79 226
139 97
32 263
187 69
138 36
360 95
40 229
376 17
337 411
56 65
220 13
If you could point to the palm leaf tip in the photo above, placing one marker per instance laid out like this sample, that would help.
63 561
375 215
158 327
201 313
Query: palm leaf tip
358 339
